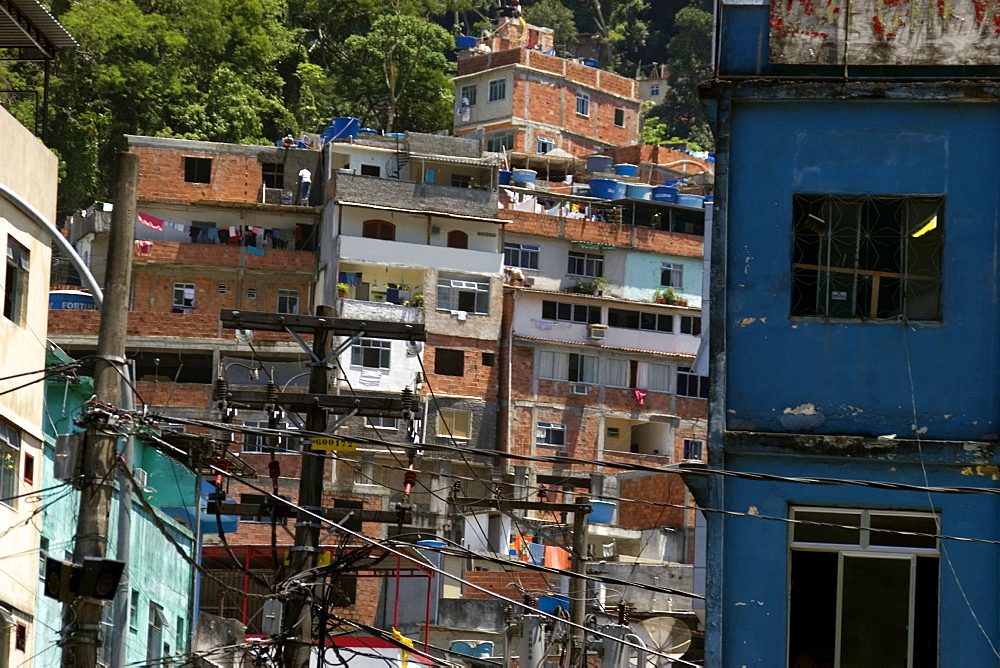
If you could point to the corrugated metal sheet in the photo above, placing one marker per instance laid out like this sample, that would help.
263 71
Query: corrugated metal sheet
20 19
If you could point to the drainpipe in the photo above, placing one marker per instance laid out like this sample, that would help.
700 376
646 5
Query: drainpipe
31 212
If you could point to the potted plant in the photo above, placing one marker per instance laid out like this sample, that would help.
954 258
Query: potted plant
342 289
585 287
600 285
664 295
418 300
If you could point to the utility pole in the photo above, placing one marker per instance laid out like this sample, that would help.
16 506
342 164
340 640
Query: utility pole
299 621
578 586
82 618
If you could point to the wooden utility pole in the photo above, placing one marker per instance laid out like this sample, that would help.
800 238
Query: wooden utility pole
299 620
82 618
578 586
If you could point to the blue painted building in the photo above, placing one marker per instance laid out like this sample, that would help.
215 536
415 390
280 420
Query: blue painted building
854 337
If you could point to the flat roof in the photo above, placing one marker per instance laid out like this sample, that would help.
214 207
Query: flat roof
26 23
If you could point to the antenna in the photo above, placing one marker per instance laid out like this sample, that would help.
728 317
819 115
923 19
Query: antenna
668 635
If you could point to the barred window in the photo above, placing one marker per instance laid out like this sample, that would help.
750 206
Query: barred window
371 353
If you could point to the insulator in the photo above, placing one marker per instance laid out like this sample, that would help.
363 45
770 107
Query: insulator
272 440
623 613
220 390
272 392
529 600
274 470
406 398
410 478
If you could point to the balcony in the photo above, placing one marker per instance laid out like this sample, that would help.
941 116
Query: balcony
380 311
365 251
429 197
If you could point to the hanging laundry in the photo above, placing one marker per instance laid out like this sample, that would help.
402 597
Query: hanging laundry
150 221
556 557
640 396
253 250
143 246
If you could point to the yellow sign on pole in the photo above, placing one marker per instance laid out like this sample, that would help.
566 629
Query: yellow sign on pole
333 443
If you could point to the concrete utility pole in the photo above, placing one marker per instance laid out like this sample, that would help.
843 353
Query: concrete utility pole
578 586
299 621
82 618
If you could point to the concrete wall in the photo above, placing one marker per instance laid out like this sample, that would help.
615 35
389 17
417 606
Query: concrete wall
858 377
411 247
642 277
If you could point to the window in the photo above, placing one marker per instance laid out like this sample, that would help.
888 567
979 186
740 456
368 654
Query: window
198 170
273 174
288 301
375 422
183 298
498 89
10 454
583 104
364 472
454 423
489 359
653 322
861 593
619 118
654 90
378 229
582 368
520 255
691 384
223 288
573 367
544 145
616 372
657 377
672 275
371 353
581 313
692 449
371 170
461 181
29 469
499 142
43 554
133 610
449 362
585 264
251 293
469 93
459 295
154 633
550 433
181 637
867 257
21 638
15 287
691 324
458 239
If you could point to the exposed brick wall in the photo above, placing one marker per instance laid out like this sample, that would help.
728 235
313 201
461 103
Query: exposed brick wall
661 155
175 395
479 380
222 255
236 177
154 323
657 487
509 584
624 236
154 290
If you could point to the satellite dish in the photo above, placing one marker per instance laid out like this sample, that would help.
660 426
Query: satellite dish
244 335
667 635
414 347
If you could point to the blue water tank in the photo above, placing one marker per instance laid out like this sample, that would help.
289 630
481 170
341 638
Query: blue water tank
666 194
465 42
504 177
602 512
590 62
599 164
523 176
625 169
696 201
367 131
74 300
638 190
341 127
605 188
481 649
549 604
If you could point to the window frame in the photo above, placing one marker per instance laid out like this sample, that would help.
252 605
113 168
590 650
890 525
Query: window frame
359 354
273 174
683 384
287 294
498 89
445 360
587 265
544 143
370 423
583 102
10 463
500 142
654 90
449 421
465 91
195 168
520 255
15 287
182 303
663 323
690 324
619 114
582 314
550 434
694 445
673 272
455 288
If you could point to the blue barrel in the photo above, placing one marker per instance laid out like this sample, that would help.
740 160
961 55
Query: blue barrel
666 194
523 175
602 512
604 188
367 131
638 190
504 178
465 42
621 188
599 164
709 199
625 169
341 127
691 200
590 62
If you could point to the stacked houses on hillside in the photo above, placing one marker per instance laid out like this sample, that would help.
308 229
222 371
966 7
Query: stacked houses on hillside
548 333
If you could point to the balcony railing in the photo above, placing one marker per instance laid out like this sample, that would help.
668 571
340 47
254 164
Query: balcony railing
380 311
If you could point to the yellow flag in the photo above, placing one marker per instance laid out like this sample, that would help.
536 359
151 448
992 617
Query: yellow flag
406 641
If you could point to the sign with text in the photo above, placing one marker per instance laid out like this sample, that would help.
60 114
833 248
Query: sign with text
333 443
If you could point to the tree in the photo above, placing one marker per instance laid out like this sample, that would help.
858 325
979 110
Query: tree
553 14
621 28
397 76
688 64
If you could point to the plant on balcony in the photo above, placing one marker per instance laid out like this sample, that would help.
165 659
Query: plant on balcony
417 301
663 295
600 285
584 287
342 289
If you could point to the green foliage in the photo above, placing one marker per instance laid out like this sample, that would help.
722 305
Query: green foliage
680 113
553 14
397 76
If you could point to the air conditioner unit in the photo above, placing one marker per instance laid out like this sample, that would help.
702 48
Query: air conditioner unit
579 388
597 332
529 281
141 477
